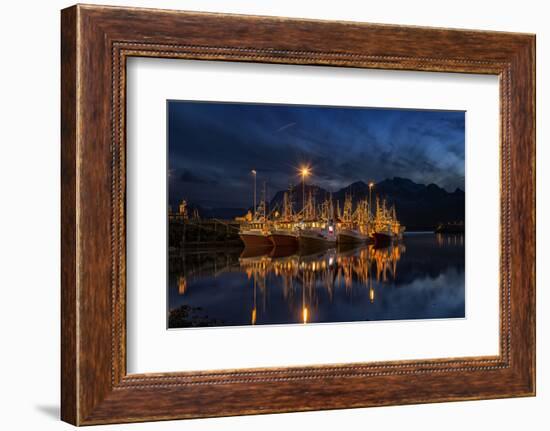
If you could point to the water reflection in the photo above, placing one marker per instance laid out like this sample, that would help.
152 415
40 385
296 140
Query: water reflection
449 239
421 277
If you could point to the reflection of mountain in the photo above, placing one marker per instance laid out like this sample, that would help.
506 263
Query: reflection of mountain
418 265
418 206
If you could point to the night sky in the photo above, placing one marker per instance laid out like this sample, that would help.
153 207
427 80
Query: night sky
212 148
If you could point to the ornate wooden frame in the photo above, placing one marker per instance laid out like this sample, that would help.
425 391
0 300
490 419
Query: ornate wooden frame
95 43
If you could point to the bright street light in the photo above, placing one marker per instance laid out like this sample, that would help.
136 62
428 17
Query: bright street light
304 171
253 171
371 185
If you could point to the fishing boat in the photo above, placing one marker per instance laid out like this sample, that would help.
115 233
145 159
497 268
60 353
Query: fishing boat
283 232
317 230
386 226
353 225
284 235
318 226
317 235
351 236
255 232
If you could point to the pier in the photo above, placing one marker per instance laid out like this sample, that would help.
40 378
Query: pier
195 233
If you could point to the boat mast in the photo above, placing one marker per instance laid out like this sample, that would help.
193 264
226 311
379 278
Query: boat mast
263 212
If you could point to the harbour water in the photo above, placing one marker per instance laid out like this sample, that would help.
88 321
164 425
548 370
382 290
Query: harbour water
419 277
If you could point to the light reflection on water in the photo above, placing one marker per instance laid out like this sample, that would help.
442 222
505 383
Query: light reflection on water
421 277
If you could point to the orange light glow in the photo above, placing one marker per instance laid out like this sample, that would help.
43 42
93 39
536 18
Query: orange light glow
254 316
304 314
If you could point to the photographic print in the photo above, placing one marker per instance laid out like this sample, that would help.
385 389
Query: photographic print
295 214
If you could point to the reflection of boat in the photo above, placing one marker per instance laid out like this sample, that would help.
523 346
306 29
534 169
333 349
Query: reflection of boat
279 252
386 259
249 251
310 271
349 249
318 257
356 258
382 238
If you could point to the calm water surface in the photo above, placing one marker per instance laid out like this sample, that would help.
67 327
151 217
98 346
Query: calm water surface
421 277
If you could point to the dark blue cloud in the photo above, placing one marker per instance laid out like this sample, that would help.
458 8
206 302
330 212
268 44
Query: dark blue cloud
214 146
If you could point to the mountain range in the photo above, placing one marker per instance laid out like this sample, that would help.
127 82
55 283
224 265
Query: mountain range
418 206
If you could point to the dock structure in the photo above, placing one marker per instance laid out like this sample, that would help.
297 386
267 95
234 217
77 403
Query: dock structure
196 232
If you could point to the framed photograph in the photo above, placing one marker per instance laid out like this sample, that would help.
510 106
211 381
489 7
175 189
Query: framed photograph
290 212
331 214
